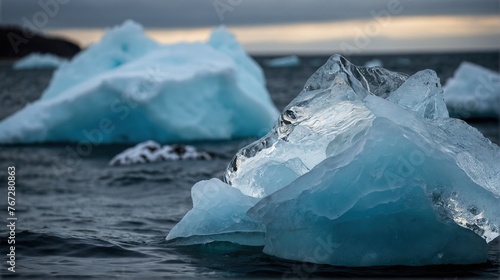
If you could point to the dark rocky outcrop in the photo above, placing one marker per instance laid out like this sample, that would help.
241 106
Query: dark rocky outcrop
16 42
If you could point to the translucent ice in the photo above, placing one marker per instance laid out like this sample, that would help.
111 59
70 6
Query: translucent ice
129 89
39 61
473 92
365 168
218 214
326 118
389 199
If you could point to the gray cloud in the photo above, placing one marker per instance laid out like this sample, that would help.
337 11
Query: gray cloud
203 13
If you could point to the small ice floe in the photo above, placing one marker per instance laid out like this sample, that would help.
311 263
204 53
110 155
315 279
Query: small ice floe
286 61
39 61
150 151
473 92
374 63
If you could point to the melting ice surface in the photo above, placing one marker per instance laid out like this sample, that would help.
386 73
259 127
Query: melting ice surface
129 89
473 91
39 61
364 167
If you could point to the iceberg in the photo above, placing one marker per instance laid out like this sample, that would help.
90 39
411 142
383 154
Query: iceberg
473 92
39 61
286 61
150 151
129 89
363 168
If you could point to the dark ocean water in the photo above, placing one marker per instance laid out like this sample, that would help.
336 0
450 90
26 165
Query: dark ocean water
81 217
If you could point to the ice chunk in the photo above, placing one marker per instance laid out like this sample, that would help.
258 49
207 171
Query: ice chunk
218 214
129 89
39 61
286 61
473 92
150 151
374 63
370 171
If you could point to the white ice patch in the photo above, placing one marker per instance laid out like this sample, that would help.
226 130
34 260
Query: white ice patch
374 63
151 151
286 61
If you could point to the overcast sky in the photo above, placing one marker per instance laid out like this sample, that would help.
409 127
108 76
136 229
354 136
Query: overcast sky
199 14
203 13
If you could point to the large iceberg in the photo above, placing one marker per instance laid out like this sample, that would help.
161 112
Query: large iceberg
473 92
129 89
364 167
39 61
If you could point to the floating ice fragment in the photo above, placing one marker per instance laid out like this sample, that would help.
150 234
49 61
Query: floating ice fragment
365 168
151 151
39 61
473 92
286 61
374 63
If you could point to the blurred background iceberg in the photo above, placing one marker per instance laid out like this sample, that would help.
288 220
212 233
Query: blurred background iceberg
128 89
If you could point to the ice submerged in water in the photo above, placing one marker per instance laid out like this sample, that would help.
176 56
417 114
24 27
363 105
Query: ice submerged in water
363 168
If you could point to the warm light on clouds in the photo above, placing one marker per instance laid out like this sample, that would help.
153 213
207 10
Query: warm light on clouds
418 33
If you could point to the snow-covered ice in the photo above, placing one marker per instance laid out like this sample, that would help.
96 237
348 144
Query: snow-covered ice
39 61
364 167
150 151
473 92
129 89
286 61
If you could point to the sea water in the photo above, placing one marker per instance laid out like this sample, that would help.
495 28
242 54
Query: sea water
78 216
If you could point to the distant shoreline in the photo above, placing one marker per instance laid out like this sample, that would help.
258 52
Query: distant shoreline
16 42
